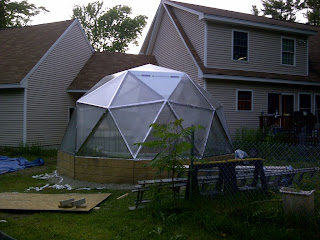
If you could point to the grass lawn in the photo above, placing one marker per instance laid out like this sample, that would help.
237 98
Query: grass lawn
163 218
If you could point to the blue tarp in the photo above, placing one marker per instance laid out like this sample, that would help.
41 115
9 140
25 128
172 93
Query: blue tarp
13 164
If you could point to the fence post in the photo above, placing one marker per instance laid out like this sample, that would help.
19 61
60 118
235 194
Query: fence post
192 185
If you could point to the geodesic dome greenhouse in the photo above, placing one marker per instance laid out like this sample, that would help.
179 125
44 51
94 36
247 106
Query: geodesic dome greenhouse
117 112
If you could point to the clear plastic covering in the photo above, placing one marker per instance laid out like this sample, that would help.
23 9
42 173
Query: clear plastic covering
187 93
87 118
68 143
116 114
133 122
194 116
105 141
132 91
103 95
217 143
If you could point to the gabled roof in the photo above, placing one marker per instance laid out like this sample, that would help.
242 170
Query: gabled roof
102 64
21 48
215 14
219 15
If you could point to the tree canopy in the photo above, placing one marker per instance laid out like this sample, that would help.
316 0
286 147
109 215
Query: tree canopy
111 29
17 14
313 11
279 9
287 10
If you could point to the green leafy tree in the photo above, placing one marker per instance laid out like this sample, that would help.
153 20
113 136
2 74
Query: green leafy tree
17 14
112 29
172 142
279 9
313 11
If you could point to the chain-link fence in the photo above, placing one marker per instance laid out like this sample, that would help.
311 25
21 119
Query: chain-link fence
257 168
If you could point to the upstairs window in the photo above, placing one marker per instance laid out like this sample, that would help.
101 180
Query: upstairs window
288 51
240 46
305 102
244 100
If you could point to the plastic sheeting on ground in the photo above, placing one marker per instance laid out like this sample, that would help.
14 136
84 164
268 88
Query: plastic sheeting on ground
8 164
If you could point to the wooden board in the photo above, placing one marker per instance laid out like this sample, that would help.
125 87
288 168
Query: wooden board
48 202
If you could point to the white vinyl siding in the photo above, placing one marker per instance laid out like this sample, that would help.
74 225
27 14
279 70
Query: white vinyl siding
11 117
225 92
194 30
171 52
48 100
265 51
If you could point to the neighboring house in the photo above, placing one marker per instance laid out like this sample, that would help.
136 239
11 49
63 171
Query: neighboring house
44 69
37 64
253 65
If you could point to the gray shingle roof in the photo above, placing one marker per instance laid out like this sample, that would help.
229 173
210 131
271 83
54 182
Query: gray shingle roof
21 48
102 64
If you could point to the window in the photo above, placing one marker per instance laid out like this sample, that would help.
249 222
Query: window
280 103
273 103
240 46
244 100
305 102
288 51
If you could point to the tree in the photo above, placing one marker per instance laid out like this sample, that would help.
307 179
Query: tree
17 14
112 29
279 9
313 11
172 142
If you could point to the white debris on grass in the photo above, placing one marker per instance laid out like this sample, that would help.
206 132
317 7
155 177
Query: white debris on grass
59 182
48 176
3 221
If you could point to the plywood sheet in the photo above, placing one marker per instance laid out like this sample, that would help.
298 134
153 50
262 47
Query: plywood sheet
48 202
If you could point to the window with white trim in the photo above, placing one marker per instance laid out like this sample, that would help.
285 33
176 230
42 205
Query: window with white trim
244 100
240 46
305 102
288 51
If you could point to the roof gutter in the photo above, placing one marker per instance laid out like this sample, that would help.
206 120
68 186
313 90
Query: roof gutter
261 80
209 17
13 85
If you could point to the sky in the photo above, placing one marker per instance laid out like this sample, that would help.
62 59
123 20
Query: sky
62 10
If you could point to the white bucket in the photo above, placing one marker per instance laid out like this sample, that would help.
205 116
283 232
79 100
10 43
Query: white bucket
297 202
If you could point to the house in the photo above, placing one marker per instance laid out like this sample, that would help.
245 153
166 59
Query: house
44 69
254 65
37 64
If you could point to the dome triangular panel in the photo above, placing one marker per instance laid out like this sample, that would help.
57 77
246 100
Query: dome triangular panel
134 121
194 116
87 119
218 142
187 93
105 140
134 91
103 95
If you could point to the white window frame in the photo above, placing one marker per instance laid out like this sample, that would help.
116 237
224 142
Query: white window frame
237 30
305 93
294 53
237 94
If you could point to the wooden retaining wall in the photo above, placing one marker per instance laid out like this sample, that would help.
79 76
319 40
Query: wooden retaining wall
106 170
